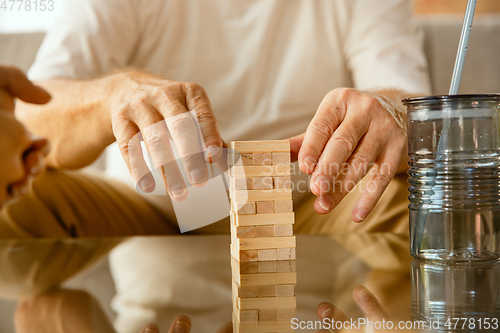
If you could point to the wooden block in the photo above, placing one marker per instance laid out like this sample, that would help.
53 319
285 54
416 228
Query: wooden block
248 291
264 231
249 267
283 290
266 255
286 266
281 158
239 159
282 182
263 183
261 146
282 206
243 208
245 255
249 315
281 230
264 219
261 327
264 207
262 279
278 170
267 291
267 315
262 159
266 303
241 183
285 314
285 254
261 195
266 266
266 243
246 232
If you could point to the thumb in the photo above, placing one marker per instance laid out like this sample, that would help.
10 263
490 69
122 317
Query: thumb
295 144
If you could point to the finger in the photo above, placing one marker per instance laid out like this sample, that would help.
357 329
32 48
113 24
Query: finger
197 100
151 328
379 177
356 167
185 134
228 328
128 139
338 149
15 82
295 144
181 324
330 114
6 101
41 145
332 315
34 163
369 304
156 137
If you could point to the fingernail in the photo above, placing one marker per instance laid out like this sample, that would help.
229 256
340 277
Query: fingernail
326 313
363 295
24 190
198 175
310 163
212 151
182 327
323 183
146 183
326 202
177 190
361 214
148 330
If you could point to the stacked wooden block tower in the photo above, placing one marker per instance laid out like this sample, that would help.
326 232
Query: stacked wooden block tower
262 241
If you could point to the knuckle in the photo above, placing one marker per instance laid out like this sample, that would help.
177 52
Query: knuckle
322 127
344 142
382 178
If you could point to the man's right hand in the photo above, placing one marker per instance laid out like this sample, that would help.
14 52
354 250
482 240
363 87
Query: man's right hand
142 102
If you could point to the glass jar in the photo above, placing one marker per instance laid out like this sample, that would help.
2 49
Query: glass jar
454 183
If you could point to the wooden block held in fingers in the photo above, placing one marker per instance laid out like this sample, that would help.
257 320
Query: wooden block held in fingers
267 291
264 231
261 146
283 206
241 183
266 243
264 219
286 266
283 290
285 254
267 315
263 183
246 232
261 195
266 303
268 254
249 316
262 159
282 230
285 314
281 158
278 170
243 208
282 182
264 207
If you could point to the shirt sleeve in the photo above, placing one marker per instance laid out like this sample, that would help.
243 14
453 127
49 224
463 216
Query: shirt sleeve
384 47
89 38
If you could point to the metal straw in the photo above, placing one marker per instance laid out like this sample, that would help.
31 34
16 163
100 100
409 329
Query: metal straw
443 139
462 46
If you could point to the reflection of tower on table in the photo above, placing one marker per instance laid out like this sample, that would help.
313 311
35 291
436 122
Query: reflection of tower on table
262 241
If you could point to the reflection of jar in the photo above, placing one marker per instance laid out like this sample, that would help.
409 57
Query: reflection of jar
453 144
443 293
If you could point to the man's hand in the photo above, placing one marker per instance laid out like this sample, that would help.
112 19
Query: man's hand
21 154
352 134
182 324
142 102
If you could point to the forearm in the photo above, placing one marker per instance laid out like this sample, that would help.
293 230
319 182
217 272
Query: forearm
75 121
